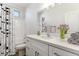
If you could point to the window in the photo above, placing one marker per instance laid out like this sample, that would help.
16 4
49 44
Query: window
16 13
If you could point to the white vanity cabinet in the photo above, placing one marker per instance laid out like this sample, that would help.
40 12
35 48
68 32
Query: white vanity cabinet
36 48
54 51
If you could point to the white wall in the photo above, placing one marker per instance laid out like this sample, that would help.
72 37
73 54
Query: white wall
72 19
63 14
32 24
53 18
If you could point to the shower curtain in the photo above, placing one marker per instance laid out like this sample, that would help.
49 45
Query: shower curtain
7 45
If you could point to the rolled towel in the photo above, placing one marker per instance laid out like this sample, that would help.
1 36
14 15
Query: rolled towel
77 41
73 41
75 35
70 40
77 32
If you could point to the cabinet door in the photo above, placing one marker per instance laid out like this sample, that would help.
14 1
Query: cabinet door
31 52
30 48
36 48
59 52
41 52
37 51
39 45
40 48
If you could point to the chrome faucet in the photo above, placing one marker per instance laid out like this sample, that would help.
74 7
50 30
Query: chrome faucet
48 34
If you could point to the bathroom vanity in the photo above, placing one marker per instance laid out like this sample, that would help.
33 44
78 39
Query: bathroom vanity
49 46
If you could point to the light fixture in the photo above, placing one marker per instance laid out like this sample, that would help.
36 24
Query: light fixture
46 5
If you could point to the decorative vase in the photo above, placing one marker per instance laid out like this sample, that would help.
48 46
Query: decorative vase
38 33
63 30
62 34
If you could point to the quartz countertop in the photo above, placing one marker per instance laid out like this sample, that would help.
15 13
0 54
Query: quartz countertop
55 40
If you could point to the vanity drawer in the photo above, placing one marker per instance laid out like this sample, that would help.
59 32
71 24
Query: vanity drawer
53 51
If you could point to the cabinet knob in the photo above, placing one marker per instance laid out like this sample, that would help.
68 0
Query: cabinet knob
0 44
35 53
2 53
56 54
27 40
38 54
0 28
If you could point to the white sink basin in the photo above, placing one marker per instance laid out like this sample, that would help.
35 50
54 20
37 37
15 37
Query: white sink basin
46 37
